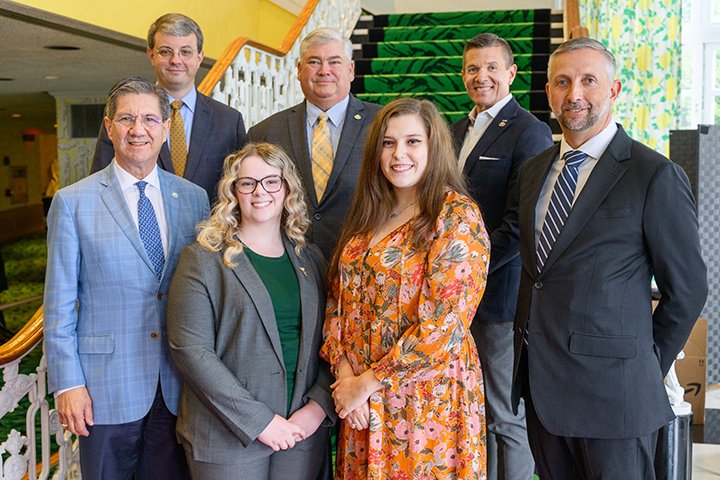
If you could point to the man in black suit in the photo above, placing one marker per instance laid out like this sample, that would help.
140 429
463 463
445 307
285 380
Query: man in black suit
493 141
590 354
211 129
325 71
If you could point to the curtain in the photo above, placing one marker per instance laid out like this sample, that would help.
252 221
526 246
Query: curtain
644 36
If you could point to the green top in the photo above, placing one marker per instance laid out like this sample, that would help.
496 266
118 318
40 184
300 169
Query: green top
281 282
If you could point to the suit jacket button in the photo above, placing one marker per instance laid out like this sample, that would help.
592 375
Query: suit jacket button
538 285
154 335
317 216
159 296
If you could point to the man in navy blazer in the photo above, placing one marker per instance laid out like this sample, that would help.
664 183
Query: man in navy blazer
325 71
106 295
493 141
590 353
212 129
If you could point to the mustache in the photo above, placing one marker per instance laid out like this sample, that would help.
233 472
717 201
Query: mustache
575 105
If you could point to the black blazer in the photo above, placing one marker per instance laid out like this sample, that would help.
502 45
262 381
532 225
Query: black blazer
288 129
491 170
597 354
217 131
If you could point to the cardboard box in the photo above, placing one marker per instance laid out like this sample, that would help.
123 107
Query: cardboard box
692 370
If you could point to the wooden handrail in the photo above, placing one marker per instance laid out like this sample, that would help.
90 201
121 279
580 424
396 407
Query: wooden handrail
24 340
573 27
227 57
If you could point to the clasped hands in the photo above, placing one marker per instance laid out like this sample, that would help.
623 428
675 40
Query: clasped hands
283 434
351 394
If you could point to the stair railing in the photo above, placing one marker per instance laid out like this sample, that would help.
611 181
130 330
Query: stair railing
18 452
571 19
259 80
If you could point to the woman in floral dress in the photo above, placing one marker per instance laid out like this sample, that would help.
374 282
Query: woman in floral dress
404 283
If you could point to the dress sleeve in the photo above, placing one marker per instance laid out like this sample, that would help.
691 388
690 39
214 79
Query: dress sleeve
453 285
332 350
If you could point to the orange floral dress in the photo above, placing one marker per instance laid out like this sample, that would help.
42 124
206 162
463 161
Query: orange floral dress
406 314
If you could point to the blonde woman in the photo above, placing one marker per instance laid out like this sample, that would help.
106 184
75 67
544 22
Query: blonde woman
244 324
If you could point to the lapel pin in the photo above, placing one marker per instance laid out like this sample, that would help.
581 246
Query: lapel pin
302 269
502 123
174 194
357 116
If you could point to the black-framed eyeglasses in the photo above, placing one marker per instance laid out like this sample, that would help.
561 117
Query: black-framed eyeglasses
148 121
247 185
166 52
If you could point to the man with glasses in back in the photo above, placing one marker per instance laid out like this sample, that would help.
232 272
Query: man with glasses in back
113 243
203 131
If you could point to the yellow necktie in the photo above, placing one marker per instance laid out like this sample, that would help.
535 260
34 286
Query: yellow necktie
178 146
322 155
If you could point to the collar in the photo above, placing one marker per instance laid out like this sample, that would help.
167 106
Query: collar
492 111
336 113
597 145
190 99
126 180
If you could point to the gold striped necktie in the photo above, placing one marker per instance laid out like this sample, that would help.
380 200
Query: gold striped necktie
178 143
322 155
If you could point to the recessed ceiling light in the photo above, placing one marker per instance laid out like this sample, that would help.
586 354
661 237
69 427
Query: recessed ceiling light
61 47
52 77
6 79
16 115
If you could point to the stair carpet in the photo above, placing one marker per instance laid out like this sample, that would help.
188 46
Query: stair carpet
420 55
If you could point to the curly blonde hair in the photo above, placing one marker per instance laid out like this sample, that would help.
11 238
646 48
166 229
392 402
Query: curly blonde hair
219 232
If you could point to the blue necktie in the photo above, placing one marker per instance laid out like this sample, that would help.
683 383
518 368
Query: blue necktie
560 205
149 230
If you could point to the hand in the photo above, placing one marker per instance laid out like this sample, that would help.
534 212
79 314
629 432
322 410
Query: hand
351 392
309 417
281 434
359 419
74 409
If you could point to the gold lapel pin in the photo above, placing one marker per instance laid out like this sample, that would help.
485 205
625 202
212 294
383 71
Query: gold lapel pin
302 269
502 123
174 194
357 116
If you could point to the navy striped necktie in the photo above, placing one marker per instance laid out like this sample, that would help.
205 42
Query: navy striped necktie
560 204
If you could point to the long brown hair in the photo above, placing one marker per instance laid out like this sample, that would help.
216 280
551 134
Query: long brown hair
373 200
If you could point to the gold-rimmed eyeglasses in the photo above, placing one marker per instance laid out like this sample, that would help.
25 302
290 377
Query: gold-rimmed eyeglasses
247 185
185 53
148 121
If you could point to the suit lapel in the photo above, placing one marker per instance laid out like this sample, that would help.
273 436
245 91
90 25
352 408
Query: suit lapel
308 307
297 128
202 119
499 124
245 272
534 174
355 118
114 200
168 188
608 171
459 129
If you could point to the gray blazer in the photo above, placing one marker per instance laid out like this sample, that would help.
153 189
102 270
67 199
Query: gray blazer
289 130
224 340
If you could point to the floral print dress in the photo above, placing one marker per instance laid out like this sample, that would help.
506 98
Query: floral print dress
406 313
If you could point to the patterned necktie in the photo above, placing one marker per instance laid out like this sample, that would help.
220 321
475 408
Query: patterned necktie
178 143
149 230
322 155
560 204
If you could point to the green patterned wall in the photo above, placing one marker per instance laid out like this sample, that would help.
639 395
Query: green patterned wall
644 36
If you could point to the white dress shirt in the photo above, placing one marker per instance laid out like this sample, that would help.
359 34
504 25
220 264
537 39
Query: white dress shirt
479 123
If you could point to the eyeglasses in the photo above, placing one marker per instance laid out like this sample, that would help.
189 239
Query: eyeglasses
247 185
185 53
148 121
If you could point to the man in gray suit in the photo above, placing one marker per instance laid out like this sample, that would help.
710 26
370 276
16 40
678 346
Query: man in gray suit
206 130
325 71
600 214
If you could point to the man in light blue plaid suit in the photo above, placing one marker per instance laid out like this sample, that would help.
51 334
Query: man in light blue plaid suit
105 295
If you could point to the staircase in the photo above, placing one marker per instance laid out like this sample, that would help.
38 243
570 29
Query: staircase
420 55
